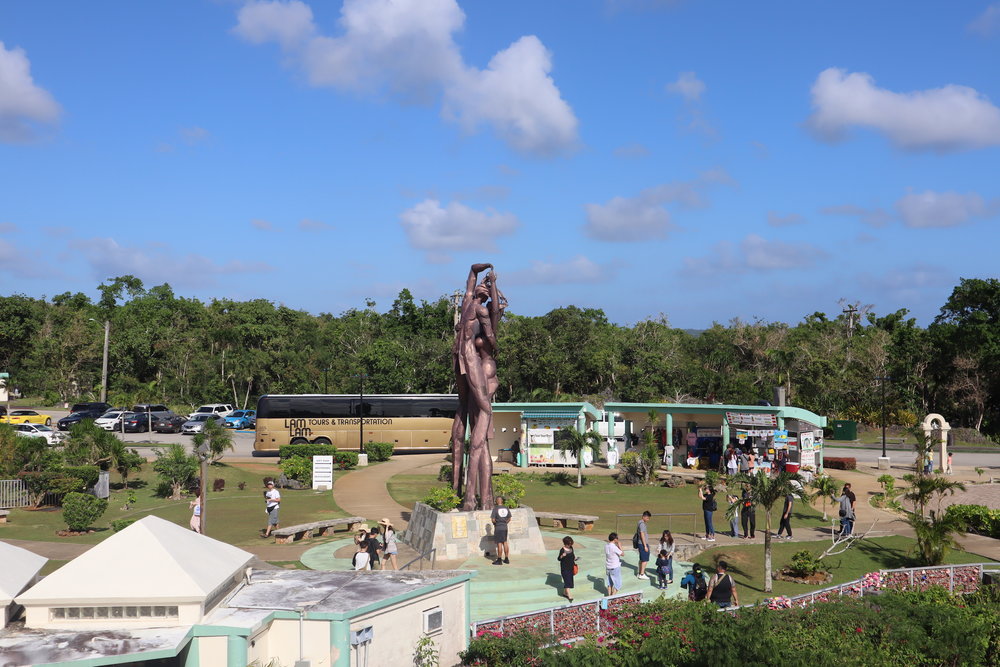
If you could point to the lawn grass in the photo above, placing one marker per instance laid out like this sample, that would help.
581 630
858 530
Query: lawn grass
233 516
605 498
746 563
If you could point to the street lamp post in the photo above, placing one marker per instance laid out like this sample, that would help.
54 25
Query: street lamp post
361 412
882 380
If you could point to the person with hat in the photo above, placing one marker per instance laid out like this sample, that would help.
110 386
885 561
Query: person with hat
695 583
390 549
272 501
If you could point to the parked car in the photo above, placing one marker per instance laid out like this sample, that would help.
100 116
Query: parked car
156 409
218 409
111 421
74 418
26 417
169 424
87 407
197 424
137 422
241 419
52 436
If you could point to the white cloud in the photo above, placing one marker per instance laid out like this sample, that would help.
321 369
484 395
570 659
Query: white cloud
194 135
754 254
942 119
23 263
262 225
7 227
632 150
407 47
943 209
644 217
437 229
688 86
154 263
873 217
776 219
915 283
23 105
579 270
987 24
308 225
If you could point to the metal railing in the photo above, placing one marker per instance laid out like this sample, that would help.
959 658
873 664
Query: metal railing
691 519
566 623
13 493
429 554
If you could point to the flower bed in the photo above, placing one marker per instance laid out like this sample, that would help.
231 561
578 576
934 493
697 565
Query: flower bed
575 621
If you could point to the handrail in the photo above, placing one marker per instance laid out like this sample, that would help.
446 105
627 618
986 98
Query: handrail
668 515
430 553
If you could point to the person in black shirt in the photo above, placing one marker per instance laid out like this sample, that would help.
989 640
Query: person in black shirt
722 588
373 548
567 565
500 517
786 517
748 513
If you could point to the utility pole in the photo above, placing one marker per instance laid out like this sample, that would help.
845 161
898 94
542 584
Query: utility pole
456 303
850 311
884 459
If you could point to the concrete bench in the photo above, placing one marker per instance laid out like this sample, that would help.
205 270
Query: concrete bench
560 519
314 529
3 515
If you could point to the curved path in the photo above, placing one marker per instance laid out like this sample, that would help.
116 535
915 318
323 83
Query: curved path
364 492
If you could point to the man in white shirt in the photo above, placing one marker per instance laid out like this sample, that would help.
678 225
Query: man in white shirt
272 501
613 563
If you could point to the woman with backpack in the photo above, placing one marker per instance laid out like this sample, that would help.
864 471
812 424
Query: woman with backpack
695 583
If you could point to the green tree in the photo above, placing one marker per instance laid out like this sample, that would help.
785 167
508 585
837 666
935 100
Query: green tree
935 534
176 467
81 510
125 461
924 488
89 444
765 491
219 439
824 487
576 442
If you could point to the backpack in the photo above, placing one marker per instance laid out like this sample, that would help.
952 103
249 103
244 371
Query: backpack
636 542
699 590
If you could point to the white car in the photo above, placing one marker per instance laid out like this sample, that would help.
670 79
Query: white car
197 423
220 410
111 421
52 436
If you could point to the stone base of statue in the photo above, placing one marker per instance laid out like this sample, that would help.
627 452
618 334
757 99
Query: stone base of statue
459 535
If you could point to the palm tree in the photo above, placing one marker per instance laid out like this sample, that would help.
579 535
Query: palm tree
765 491
575 442
825 487
924 487
935 535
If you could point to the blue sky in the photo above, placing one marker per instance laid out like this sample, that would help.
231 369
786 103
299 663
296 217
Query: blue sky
703 160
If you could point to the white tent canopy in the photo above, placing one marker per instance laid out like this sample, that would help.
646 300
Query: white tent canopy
153 561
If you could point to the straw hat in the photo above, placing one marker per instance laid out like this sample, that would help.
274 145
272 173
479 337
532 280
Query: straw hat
384 522
365 527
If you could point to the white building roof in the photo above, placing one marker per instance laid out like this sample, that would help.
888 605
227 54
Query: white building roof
152 561
19 569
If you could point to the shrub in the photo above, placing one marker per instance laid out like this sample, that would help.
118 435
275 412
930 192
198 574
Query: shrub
840 463
345 460
636 468
38 484
219 484
713 478
442 498
88 475
297 467
519 648
977 519
510 488
241 486
176 467
308 450
61 485
121 524
804 563
379 451
81 510
445 473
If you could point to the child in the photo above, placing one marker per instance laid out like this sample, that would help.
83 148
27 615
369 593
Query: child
663 569
360 560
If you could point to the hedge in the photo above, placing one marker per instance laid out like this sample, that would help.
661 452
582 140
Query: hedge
121 524
308 450
86 474
379 451
81 510
978 519
345 460
840 463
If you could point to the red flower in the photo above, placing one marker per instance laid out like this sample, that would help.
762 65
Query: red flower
645 634
858 630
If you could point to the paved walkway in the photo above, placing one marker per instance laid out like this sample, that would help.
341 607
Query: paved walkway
363 491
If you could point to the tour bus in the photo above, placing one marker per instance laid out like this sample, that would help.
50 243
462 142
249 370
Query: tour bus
412 422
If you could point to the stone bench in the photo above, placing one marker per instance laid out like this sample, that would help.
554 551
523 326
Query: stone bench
560 519
314 529
3 515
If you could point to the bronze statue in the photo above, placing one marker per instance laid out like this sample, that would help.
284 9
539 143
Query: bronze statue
474 362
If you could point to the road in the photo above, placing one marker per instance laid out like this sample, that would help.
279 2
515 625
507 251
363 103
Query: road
899 456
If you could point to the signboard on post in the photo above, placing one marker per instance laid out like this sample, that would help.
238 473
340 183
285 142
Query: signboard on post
322 472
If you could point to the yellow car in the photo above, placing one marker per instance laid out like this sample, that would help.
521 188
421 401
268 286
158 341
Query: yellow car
26 417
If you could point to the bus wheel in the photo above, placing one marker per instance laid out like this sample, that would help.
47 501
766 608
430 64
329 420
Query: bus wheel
322 441
299 441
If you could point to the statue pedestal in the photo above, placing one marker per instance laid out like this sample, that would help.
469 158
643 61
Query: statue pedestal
458 535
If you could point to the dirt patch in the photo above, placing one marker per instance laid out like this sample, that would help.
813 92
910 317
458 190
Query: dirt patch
816 579
73 533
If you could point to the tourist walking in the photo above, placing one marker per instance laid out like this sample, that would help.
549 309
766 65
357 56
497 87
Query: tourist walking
500 517
722 588
947 465
734 519
389 546
732 462
748 513
786 517
743 462
641 542
667 545
752 462
695 584
708 507
846 501
613 564
196 514
272 503
567 566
